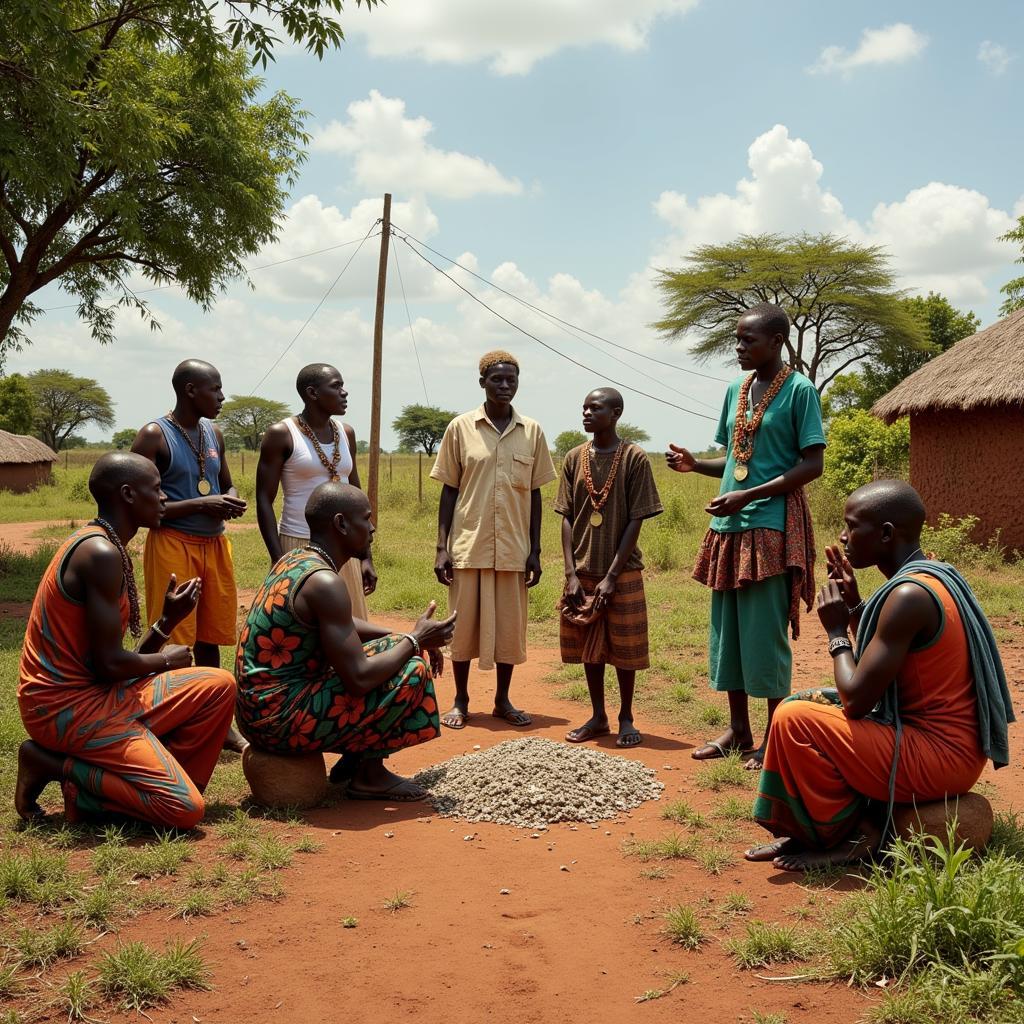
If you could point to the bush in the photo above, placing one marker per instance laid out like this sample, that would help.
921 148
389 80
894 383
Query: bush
950 540
862 448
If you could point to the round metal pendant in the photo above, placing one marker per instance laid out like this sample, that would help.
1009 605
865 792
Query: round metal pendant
740 472
596 519
204 487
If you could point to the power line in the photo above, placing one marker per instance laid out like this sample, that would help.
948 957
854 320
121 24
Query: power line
316 309
248 270
408 316
553 316
552 348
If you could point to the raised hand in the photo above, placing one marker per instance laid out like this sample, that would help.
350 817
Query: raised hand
680 459
832 608
431 632
841 572
180 602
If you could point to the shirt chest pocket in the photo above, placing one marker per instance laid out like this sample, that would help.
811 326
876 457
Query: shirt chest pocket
522 471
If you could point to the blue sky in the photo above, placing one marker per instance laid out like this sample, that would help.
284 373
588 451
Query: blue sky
562 150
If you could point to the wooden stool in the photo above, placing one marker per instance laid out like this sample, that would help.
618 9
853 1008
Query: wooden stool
972 811
277 781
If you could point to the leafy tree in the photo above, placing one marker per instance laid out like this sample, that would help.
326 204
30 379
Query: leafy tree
123 439
1014 290
244 419
64 403
17 404
840 297
567 440
631 433
421 426
861 448
943 325
135 140
362 447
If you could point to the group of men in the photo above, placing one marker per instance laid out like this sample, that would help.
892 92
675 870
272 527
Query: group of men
139 732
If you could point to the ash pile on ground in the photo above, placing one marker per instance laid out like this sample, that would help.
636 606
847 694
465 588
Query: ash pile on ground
532 782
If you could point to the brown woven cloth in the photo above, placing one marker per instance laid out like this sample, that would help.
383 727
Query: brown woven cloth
617 636
728 561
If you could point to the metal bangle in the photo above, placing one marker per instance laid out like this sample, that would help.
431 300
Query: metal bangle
839 644
415 644
159 632
858 607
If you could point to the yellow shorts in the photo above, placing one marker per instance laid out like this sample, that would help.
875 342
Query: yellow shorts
492 608
186 555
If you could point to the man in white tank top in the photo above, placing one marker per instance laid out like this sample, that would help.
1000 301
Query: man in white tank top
297 455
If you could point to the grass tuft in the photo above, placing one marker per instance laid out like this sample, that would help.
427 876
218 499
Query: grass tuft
682 813
674 846
399 901
77 995
733 808
714 860
737 903
40 948
767 943
682 927
270 854
723 772
138 976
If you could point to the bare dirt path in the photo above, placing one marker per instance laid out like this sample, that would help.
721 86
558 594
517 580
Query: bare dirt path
26 537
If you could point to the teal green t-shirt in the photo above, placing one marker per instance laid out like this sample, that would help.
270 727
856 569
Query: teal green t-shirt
791 423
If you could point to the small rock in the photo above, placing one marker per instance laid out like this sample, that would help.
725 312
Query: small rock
564 867
389 835
504 892
476 746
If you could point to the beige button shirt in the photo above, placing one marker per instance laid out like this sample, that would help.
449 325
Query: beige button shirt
494 474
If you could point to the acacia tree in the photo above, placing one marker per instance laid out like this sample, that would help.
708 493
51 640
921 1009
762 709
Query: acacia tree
567 440
632 433
133 142
1014 290
422 426
64 402
840 297
245 418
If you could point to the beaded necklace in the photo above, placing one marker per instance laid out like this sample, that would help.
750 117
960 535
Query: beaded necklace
134 614
744 431
598 499
202 484
331 465
316 549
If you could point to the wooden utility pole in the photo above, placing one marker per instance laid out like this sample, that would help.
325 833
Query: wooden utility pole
378 358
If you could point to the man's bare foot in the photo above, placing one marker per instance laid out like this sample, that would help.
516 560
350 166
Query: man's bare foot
864 843
629 734
770 851
728 743
36 768
456 718
755 760
511 714
373 781
597 725
235 740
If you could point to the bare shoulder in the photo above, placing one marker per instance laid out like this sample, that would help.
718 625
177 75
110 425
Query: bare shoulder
322 596
149 440
350 432
98 561
275 437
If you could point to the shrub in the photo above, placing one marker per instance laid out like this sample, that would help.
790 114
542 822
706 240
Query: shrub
861 448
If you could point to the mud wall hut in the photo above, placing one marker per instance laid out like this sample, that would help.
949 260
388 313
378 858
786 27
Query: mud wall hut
966 410
25 462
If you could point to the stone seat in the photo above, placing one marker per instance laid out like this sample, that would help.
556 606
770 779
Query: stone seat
276 781
972 811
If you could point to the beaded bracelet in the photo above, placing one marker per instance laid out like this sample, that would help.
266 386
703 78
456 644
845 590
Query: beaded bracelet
839 644
415 644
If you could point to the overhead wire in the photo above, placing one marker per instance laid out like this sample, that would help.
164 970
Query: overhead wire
316 309
553 316
408 315
549 347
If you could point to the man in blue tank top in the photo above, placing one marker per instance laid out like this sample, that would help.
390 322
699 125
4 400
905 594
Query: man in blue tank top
188 450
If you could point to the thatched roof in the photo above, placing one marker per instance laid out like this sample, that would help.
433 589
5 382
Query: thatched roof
985 369
19 448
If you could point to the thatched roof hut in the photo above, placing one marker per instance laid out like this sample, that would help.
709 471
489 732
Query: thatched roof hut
966 410
25 462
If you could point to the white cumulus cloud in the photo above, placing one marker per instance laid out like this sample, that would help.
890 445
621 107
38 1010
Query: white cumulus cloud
996 57
390 151
893 44
512 35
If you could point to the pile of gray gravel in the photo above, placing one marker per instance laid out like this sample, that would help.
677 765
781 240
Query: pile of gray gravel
533 782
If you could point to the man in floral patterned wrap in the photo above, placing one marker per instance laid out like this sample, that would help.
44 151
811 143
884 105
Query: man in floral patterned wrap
313 679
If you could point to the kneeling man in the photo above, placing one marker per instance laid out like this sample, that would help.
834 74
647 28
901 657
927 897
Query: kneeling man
312 679
917 710
125 732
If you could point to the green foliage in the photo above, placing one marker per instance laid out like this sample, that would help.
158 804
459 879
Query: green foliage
136 140
766 943
421 426
64 402
632 433
682 927
862 448
950 539
840 297
17 404
1014 290
123 439
141 977
567 440
245 418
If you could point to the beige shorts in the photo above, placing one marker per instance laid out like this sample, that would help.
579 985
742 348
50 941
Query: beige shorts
351 573
492 608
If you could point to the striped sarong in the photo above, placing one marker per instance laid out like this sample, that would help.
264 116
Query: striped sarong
618 637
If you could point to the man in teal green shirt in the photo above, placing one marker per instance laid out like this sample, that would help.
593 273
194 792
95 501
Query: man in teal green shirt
772 432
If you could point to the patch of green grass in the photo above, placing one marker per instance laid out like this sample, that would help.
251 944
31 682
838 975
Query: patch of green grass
733 808
1007 835
238 826
767 1018
20 572
723 772
766 943
714 860
736 903
681 812
307 844
40 948
399 900
711 715
239 849
77 995
674 846
196 904
349 922
138 976
683 927
10 984
38 876
270 854
99 905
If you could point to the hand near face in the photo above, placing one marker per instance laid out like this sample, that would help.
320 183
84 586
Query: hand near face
840 571
832 608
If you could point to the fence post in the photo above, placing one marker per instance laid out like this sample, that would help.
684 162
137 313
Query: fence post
420 477
243 462
391 467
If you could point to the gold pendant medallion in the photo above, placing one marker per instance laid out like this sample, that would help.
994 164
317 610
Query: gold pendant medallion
740 472
596 519
203 487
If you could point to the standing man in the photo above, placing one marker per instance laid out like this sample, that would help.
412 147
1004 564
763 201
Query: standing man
297 455
758 555
605 493
188 450
492 463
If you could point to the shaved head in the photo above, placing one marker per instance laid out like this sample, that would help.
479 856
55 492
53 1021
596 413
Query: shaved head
891 501
329 499
115 469
192 371
772 319
611 396
313 375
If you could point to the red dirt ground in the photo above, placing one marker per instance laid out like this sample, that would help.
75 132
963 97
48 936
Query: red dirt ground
24 537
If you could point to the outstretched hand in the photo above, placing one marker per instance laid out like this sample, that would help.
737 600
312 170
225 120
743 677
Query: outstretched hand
680 459
431 632
840 571
180 602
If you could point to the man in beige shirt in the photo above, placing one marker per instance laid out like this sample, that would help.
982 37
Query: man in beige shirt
493 463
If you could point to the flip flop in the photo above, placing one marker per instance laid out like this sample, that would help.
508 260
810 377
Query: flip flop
394 794
513 716
720 750
585 732
461 718
630 739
